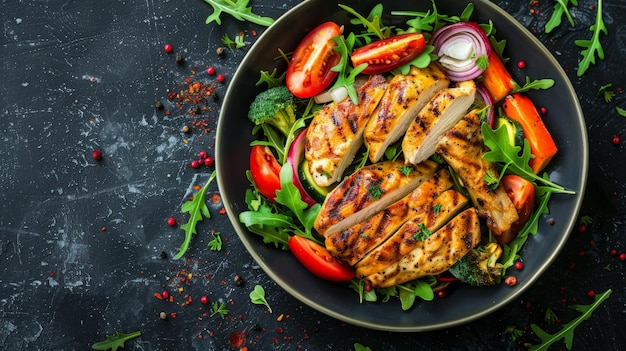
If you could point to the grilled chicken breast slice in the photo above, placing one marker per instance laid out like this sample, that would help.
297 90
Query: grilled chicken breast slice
367 191
431 216
404 98
434 254
353 243
336 132
440 114
463 148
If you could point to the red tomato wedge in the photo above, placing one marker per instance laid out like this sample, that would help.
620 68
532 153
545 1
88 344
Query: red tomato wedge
309 71
522 194
319 261
387 54
265 171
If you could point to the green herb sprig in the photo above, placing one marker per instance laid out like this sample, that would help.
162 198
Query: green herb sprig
561 7
238 9
592 47
198 211
257 296
216 243
219 309
116 341
567 331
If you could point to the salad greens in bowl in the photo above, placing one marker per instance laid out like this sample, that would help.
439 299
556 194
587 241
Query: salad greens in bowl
416 230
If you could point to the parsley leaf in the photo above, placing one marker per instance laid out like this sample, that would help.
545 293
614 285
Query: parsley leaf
219 308
592 46
375 191
239 9
226 40
606 92
422 233
216 243
197 210
114 342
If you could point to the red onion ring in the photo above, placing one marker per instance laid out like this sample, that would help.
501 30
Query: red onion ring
450 37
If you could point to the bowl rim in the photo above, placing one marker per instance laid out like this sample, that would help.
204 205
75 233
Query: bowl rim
568 228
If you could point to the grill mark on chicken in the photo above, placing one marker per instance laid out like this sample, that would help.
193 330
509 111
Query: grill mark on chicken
439 115
433 255
463 149
355 242
352 202
336 132
404 97
431 216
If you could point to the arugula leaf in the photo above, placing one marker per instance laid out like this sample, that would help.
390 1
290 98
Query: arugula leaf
347 74
373 23
620 111
514 332
567 331
502 152
417 288
197 210
114 342
257 296
239 9
226 40
271 79
592 46
535 84
606 92
239 43
359 347
289 195
560 9
359 286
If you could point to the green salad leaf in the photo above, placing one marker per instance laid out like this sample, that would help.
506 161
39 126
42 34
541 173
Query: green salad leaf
114 342
239 9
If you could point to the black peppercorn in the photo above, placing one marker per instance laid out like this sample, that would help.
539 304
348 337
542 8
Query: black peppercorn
239 280
163 255
179 59
159 105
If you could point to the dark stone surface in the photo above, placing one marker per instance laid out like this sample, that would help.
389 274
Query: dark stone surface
81 240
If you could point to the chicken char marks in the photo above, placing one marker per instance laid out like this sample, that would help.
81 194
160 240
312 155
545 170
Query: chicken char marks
428 218
368 191
463 149
353 243
405 96
433 254
336 132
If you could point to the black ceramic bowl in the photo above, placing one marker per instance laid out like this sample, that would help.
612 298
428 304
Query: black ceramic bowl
569 168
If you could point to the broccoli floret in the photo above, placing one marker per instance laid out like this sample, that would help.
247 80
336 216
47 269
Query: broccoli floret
275 106
479 267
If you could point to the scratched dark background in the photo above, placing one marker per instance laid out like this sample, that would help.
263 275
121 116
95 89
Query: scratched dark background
81 240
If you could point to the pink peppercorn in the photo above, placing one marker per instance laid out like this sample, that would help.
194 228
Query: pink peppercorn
171 221
96 154
521 64
168 48
615 140
220 78
204 299
209 161
210 71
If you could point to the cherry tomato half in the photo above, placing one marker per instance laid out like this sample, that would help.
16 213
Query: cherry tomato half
319 261
387 54
308 73
522 194
265 171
